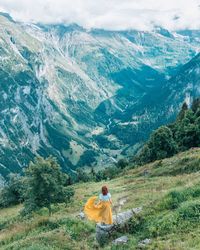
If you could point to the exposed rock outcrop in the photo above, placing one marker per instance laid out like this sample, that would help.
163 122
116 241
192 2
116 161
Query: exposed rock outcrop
103 232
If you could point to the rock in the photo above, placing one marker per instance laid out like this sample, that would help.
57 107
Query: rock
120 240
137 210
81 216
146 172
103 232
143 243
124 217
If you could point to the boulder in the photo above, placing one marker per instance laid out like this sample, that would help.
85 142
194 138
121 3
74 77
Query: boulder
103 231
120 240
122 218
81 216
144 243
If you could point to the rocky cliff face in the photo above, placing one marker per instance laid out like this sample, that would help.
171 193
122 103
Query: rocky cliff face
84 96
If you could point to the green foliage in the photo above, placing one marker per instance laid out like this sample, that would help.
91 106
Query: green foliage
122 163
195 105
12 192
45 185
88 158
166 141
82 176
181 114
104 174
136 224
108 173
76 228
162 224
173 200
160 145
169 214
190 211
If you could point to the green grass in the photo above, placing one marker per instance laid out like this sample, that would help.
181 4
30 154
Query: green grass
168 190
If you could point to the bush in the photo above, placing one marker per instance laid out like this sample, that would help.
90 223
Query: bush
163 224
190 211
136 223
122 163
172 200
12 192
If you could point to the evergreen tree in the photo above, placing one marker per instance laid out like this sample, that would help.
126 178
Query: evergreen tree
181 114
181 135
186 132
195 105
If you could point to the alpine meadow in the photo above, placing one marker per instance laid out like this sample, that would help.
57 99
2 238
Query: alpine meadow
100 125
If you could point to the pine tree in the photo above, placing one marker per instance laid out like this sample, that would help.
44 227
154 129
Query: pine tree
181 114
195 105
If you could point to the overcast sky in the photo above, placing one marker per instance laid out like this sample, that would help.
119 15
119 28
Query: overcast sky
108 14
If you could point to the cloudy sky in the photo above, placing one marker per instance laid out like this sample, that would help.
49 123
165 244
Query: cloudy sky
108 14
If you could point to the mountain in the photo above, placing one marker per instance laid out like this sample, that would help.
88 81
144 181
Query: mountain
162 105
83 95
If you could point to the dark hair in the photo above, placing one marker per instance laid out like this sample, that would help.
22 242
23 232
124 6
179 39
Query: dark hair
104 190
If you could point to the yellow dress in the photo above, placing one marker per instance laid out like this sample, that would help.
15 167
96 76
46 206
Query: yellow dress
98 213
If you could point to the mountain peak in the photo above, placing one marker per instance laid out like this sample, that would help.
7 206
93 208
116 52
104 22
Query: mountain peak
6 15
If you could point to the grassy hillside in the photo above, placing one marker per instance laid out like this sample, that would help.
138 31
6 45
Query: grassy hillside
168 190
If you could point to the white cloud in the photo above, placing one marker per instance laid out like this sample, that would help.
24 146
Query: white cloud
108 14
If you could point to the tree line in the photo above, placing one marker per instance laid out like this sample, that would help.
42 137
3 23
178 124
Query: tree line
181 135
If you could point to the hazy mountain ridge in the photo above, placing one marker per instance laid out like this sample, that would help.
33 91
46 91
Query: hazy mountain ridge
81 95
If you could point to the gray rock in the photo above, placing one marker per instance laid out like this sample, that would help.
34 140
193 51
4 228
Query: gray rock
103 231
120 240
81 216
137 210
144 242
124 217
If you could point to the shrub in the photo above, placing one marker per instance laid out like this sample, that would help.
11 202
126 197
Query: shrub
172 200
12 192
122 163
163 224
190 211
136 223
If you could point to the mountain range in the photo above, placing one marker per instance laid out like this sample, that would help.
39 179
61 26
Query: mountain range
88 97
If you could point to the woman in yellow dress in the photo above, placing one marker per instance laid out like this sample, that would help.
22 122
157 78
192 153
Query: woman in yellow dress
100 212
